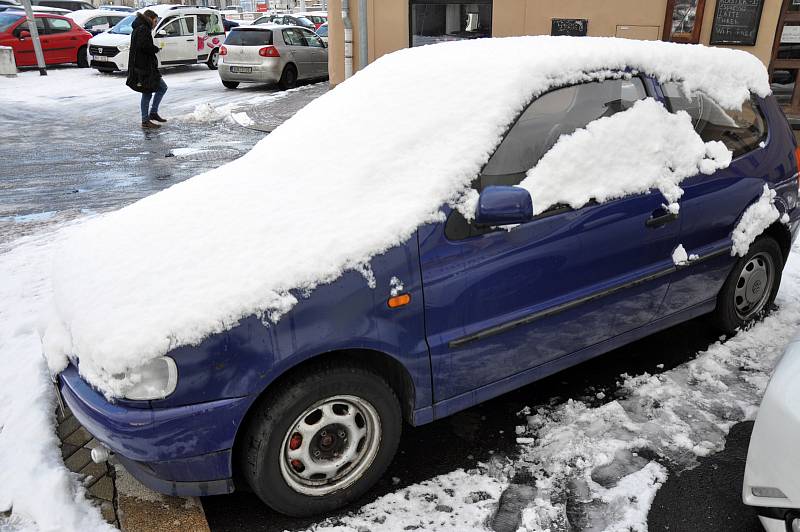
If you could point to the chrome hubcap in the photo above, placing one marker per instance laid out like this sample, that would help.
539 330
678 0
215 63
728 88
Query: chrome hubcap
215 58
330 445
754 286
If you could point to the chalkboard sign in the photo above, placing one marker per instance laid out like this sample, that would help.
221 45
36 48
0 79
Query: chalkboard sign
736 22
569 26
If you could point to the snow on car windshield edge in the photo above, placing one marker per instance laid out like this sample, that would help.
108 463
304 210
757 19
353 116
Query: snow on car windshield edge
396 142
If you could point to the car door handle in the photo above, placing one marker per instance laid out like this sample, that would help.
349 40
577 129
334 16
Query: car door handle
189 40
660 217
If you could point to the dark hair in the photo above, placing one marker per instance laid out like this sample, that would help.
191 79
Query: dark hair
150 14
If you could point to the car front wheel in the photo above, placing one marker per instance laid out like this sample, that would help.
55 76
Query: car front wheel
751 287
322 441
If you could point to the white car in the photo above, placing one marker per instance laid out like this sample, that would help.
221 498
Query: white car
96 21
186 36
772 474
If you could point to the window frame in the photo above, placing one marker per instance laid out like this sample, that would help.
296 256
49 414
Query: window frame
476 230
687 38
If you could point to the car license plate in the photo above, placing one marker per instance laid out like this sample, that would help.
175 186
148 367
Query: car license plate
100 58
242 70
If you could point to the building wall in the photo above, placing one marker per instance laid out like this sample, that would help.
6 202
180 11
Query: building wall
636 19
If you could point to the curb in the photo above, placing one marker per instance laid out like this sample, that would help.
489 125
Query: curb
123 501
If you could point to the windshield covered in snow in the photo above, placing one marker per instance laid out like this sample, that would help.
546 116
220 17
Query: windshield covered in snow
124 26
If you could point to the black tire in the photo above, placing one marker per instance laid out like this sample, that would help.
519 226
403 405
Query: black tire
735 312
83 59
288 77
230 84
270 435
213 59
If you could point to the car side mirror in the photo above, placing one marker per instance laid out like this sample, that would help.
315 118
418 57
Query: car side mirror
504 205
24 34
161 34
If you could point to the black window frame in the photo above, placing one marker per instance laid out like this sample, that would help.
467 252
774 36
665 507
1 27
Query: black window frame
754 102
456 219
412 3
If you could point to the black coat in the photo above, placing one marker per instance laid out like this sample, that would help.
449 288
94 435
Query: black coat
143 74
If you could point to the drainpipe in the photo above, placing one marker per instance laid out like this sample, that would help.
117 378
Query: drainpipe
363 49
348 39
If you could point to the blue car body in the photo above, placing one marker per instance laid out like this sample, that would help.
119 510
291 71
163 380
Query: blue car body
486 315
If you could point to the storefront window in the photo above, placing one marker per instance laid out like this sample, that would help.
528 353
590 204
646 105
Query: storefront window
435 21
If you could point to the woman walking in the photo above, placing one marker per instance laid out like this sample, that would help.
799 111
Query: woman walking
143 74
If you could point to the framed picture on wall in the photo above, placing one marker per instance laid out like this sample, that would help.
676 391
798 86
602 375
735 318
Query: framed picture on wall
683 20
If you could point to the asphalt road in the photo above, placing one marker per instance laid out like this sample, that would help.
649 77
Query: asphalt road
707 498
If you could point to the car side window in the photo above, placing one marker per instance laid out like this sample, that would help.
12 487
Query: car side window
40 27
558 112
312 39
293 37
172 29
741 131
58 25
97 23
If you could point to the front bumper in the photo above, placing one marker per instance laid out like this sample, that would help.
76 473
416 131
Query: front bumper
183 450
267 72
773 460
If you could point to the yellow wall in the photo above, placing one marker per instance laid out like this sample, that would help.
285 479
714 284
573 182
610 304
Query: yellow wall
636 19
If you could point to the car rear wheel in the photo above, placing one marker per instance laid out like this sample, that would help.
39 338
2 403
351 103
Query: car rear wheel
751 287
230 84
213 59
322 441
288 77
83 58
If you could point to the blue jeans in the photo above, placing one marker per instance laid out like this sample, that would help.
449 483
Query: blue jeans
146 109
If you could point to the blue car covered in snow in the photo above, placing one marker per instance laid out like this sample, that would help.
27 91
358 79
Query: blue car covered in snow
575 205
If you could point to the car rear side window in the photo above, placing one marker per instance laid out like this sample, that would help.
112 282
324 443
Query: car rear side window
58 25
556 113
249 38
741 131
293 37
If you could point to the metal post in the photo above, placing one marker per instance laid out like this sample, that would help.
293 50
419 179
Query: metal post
348 39
363 49
37 44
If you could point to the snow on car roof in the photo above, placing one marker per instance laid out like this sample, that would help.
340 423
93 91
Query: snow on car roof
397 141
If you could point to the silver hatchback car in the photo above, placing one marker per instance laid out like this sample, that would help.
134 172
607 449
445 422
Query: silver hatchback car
272 54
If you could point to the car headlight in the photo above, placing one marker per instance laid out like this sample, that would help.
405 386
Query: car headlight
155 379
124 47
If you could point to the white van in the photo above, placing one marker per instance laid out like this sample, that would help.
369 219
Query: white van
186 36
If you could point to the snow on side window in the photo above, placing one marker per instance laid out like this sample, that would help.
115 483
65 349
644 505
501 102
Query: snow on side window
643 148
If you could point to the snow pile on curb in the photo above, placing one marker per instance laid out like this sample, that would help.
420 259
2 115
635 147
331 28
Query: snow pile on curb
34 483
755 220
192 260
595 163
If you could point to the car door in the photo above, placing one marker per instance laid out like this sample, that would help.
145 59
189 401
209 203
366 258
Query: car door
498 302
177 40
24 51
711 204
299 50
62 41
318 54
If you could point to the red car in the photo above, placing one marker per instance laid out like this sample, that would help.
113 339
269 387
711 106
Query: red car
63 41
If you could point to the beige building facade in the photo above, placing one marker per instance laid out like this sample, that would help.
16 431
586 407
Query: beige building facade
395 24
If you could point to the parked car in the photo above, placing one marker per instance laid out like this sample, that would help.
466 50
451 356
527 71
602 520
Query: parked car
69 5
186 35
285 20
317 17
62 40
96 21
122 9
275 326
275 54
9 4
322 31
772 472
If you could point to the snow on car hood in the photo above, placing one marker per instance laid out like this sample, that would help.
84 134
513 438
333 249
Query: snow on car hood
395 142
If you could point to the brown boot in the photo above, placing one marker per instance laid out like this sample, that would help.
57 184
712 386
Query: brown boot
157 118
147 124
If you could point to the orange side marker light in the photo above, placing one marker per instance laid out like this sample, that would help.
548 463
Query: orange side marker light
399 301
